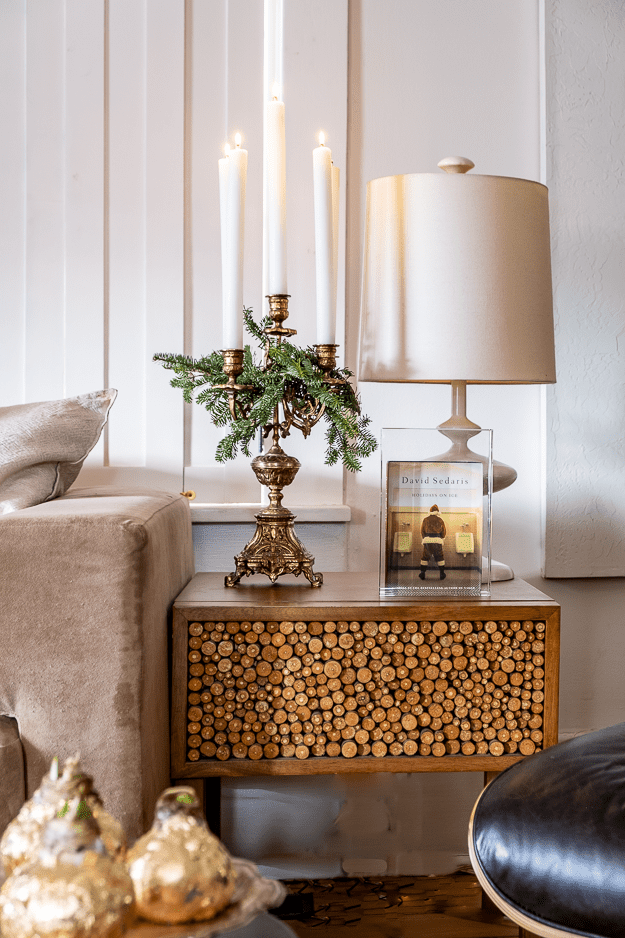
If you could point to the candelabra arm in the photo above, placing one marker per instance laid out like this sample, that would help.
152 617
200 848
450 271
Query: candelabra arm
305 419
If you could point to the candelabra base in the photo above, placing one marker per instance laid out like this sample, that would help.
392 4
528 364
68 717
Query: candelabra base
274 550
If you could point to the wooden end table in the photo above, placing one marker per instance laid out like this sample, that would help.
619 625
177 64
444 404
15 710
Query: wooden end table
287 680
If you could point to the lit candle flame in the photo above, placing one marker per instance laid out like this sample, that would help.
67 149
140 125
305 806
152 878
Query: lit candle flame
237 139
276 91
322 139
227 149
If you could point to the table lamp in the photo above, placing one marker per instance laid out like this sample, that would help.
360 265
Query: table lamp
457 290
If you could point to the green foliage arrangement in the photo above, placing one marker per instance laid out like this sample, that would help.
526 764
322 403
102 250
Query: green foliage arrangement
291 373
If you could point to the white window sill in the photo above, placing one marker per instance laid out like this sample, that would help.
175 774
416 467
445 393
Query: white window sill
231 514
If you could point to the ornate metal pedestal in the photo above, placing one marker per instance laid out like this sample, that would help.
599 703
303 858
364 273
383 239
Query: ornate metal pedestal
275 549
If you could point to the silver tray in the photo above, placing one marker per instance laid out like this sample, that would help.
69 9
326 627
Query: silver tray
252 894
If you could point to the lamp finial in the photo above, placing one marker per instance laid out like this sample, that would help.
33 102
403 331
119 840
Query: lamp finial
456 164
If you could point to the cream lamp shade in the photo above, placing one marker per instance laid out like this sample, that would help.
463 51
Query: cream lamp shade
457 279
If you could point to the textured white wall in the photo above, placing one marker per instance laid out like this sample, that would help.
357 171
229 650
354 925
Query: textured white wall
585 448
114 115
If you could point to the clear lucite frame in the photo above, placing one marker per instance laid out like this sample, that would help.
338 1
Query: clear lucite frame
444 552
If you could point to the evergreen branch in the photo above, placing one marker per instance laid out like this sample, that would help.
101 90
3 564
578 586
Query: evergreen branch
291 373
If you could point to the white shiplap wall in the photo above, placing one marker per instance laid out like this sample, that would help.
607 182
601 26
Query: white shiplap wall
93 214
225 49
115 113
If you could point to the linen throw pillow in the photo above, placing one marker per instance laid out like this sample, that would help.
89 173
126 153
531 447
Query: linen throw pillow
43 446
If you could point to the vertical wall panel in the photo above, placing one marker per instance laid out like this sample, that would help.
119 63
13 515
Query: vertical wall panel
84 202
315 80
126 229
245 115
12 200
145 237
84 195
45 199
164 181
586 170
206 116
223 33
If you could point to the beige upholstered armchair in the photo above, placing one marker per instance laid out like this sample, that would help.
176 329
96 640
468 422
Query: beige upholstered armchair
86 584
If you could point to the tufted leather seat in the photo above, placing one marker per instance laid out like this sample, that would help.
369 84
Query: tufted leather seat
547 838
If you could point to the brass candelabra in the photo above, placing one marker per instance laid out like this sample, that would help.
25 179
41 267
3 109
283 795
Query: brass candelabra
275 549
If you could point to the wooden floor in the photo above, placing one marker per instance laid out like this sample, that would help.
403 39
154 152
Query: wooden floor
399 907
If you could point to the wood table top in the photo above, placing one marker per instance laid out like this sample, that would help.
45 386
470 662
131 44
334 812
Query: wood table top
341 589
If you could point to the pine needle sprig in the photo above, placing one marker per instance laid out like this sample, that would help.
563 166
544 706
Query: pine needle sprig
283 371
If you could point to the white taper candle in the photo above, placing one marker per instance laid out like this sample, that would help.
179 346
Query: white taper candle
234 238
224 164
324 241
273 63
276 197
336 181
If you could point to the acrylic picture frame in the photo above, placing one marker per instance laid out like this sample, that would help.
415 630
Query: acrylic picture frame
435 513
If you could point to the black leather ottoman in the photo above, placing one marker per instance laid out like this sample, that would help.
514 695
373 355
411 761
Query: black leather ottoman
547 838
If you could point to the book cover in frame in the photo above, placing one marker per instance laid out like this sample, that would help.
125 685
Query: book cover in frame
435 528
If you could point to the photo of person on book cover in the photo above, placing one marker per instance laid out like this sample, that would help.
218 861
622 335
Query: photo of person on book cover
433 533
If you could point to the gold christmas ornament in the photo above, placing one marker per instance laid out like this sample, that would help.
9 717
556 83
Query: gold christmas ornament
71 889
22 838
180 871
